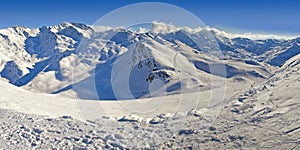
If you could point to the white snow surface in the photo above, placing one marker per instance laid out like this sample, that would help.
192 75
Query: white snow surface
258 109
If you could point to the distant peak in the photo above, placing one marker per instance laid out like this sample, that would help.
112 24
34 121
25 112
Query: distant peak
19 27
81 26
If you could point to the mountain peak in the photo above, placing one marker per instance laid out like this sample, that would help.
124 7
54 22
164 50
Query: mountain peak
81 26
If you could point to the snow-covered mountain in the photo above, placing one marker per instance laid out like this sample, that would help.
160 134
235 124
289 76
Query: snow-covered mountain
42 68
58 58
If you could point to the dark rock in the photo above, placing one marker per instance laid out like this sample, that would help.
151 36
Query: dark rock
215 139
186 132
211 128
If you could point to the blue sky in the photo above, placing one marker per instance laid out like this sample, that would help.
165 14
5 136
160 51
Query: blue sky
238 16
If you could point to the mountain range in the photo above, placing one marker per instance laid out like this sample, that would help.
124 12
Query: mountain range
63 59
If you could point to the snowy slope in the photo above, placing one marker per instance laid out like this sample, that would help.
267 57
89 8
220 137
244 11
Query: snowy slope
258 79
62 59
21 100
30 53
255 119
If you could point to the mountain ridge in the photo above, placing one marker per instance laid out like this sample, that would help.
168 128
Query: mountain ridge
31 58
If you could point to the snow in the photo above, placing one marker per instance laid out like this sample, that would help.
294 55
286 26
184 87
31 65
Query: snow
105 46
186 105
34 103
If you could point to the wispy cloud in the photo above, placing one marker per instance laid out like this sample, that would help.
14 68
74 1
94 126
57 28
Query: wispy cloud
161 27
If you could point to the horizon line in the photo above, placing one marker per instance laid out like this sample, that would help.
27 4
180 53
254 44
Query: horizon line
234 32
